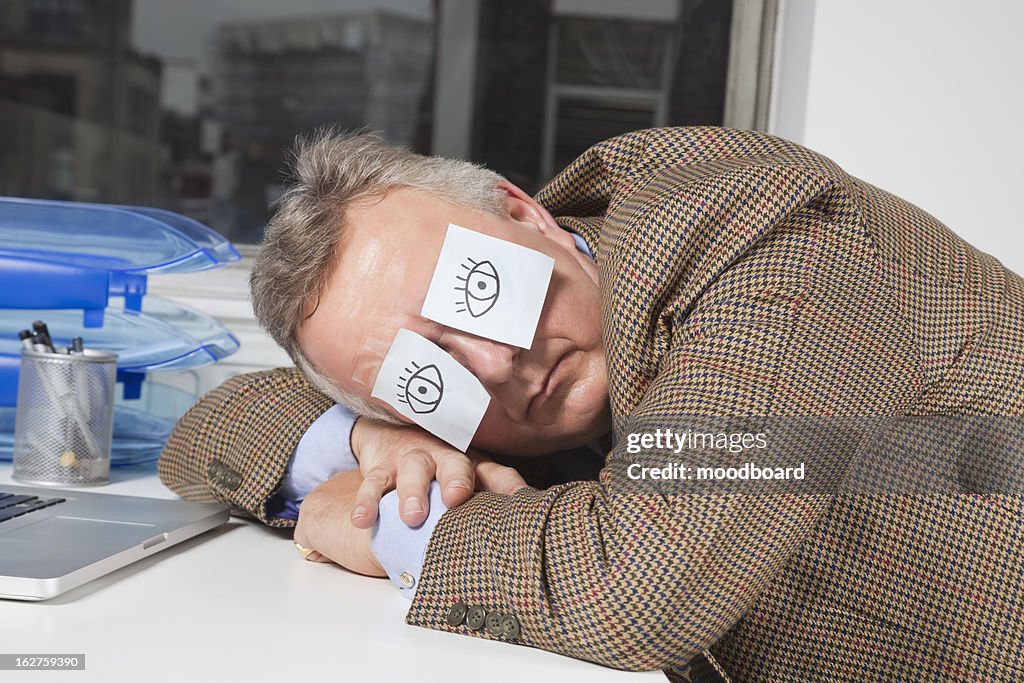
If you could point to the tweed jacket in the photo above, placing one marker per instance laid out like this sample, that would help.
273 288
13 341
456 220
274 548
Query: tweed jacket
744 275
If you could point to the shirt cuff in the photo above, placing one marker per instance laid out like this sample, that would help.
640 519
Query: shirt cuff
399 548
581 245
324 450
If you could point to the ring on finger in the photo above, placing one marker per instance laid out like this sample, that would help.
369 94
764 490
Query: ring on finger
303 551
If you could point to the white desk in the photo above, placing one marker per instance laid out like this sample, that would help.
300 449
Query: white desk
238 604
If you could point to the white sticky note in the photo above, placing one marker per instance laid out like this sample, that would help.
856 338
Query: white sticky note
488 287
426 385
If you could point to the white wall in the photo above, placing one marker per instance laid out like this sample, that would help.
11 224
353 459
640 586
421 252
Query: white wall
923 98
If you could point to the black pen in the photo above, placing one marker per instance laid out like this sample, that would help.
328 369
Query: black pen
43 335
26 340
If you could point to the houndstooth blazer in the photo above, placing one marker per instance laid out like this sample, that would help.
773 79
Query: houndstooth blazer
741 275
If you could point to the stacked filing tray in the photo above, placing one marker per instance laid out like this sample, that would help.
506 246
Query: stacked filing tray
82 268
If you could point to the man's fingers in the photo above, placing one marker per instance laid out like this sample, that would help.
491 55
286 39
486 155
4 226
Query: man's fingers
376 483
415 472
303 545
456 476
491 476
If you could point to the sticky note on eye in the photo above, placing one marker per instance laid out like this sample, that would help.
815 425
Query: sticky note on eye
488 287
426 385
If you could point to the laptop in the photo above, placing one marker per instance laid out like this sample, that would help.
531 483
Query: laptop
53 540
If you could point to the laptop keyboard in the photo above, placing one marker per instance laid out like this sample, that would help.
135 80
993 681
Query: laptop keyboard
12 505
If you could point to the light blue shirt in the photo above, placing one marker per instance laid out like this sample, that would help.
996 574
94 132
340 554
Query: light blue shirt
324 450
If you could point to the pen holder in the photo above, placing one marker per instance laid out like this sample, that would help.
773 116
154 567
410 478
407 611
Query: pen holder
64 418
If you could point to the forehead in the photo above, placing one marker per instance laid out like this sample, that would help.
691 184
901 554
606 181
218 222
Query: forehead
387 255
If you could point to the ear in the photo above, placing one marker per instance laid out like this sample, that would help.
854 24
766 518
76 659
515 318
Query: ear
523 208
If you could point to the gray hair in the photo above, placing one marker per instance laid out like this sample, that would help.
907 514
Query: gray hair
328 173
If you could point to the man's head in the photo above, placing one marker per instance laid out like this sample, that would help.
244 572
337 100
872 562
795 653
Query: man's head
347 260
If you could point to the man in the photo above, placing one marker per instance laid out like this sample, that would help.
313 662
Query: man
734 274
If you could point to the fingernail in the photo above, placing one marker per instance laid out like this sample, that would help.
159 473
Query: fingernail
458 484
412 506
358 512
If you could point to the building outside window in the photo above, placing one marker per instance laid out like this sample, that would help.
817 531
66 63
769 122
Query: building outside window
55 18
191 105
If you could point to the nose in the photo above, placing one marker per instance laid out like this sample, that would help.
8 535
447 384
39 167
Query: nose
492 362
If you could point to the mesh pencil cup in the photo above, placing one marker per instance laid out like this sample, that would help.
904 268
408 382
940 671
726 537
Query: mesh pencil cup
64 418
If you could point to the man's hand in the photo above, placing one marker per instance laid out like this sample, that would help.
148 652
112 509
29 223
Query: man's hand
325 525
408 458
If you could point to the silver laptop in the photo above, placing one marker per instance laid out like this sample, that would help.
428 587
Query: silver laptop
53 540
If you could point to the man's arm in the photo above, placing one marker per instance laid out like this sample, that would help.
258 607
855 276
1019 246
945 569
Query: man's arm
266 438
626 578
234 444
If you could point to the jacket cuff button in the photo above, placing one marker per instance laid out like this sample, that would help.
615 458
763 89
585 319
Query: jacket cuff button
493 623
475 617
509 627
457 614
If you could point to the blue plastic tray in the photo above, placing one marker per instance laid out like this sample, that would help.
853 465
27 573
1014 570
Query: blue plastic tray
164 337
75 255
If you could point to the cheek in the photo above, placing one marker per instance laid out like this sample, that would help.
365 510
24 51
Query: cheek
578 316
589 397
572 302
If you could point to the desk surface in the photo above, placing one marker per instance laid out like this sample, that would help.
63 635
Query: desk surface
237 603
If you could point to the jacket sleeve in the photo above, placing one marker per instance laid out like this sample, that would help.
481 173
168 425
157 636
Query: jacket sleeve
627 578
633 578
234 444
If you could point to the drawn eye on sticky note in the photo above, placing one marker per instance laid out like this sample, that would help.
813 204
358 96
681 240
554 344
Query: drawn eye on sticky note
480 288
499 287
422 388
425 384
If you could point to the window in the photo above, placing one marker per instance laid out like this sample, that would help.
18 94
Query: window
607 76
55 18
141 111
192 106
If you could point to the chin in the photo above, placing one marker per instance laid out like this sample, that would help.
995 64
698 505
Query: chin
534 440
584 415
517 440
